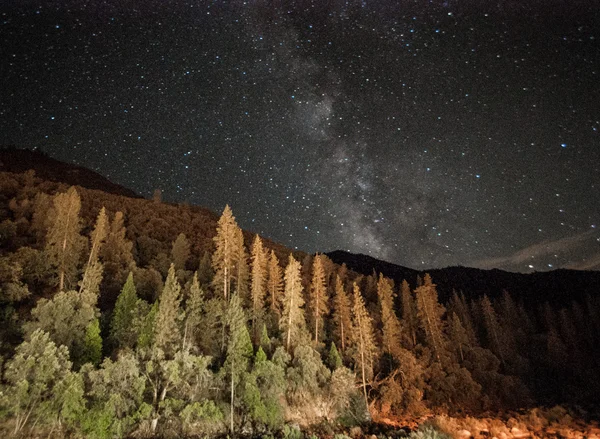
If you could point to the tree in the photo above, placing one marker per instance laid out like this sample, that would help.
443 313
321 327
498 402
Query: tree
430 314
92 275
318 296
65 318
409 313
34 376
342 315
242 273
63 241
334 361
227 252
166 330
116 255
92 344
180 252
363 340
274 283
239 348
123 333
389 320
493 329
292 323
458 336
194 307
259 281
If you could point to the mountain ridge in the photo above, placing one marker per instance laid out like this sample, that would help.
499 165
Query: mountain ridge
560 286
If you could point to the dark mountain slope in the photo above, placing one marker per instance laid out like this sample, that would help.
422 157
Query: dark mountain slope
557 287
20 160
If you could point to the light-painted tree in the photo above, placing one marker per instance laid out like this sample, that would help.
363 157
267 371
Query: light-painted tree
342 314
409 313
226 254
430 314
123 332
92 274
274 284
259 283
391 331
318 298
64 243
194 309
363 340
292 323
167 334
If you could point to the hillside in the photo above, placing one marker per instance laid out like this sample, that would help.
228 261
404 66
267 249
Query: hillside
20 160
559 287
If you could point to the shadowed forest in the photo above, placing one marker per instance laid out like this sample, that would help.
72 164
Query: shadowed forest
126 317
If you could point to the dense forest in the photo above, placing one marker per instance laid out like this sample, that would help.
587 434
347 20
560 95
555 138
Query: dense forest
131 317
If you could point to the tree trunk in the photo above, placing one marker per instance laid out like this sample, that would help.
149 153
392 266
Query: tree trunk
232 395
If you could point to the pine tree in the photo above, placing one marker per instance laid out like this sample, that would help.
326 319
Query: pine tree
389 320
493 329
274 284
226 254
147 328
239 348
458 335
292 323
92 275
180 252
194 307
116 254
430 314
166 330
459 306
92 345
242 273
333 359
409 313
318 297
342 314
205 271
363 340
63 241
122 331
259 281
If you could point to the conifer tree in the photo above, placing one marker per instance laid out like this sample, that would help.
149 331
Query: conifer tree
430 314
63 241
333 359
205 271
274 284
342 314
91 351
292 323
242 272
363 340
259 281
492 328
458 335
227 253
194 306
116 254
180 252
458 305
318 297
147 328
239 349
389 320
122 330
166 330
92 275
409 313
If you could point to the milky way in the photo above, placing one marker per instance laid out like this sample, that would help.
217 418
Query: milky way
426 133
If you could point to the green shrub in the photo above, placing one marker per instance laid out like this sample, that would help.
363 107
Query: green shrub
428 432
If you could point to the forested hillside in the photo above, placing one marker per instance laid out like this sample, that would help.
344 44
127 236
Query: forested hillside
125 316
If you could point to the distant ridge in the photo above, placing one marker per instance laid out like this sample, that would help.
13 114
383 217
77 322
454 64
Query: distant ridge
20 160
559 287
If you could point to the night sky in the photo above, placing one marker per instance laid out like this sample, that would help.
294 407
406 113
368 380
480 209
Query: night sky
426 133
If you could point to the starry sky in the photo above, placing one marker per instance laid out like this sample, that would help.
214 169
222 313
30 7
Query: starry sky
424 132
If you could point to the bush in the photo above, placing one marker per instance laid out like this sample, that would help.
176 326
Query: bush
426 431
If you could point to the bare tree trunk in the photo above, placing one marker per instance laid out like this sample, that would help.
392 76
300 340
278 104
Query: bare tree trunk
232 395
